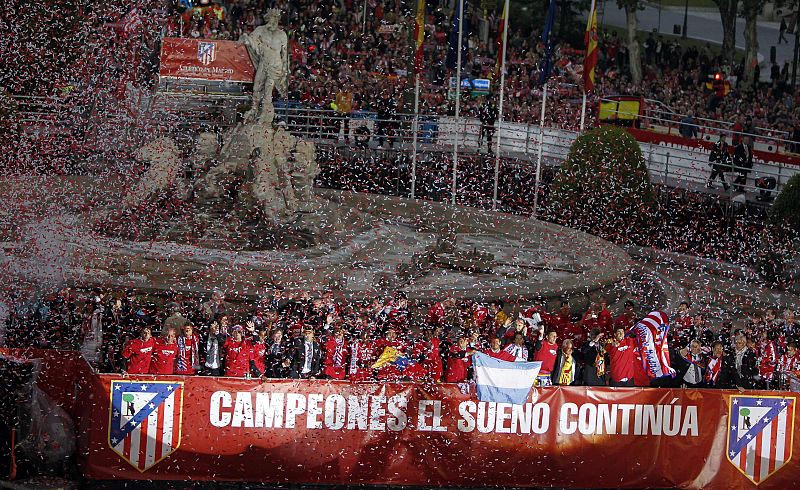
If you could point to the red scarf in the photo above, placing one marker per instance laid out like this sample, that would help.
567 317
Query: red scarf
714 367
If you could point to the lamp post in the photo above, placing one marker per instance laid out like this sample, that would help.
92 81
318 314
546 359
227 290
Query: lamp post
685 17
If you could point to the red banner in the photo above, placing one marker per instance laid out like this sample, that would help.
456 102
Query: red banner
197 428
205 59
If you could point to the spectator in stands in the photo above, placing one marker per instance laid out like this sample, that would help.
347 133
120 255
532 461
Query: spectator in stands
138 352
688 126
306 356
621 352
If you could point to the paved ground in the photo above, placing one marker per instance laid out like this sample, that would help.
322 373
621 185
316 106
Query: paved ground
702 25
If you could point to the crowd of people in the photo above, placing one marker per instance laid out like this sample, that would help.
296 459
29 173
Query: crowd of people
285 335
332 46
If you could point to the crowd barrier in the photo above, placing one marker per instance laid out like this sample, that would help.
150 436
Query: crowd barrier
318 431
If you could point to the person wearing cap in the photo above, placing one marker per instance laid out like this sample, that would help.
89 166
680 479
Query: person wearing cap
138 352
237 354
306 356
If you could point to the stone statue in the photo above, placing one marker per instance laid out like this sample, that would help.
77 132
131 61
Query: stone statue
161 175
268 48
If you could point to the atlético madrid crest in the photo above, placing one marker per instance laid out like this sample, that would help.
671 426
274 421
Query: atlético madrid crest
760 434
206 52
145 421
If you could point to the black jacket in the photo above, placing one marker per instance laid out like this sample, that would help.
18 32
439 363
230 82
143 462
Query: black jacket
730 378
274 360
298 359
589 353
720 158
743 159
559 364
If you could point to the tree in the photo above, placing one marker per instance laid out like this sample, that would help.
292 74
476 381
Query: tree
634 51
728 9
603 186
785 211
750 9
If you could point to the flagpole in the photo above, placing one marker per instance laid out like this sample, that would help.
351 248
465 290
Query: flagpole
583 109
500 108
539 153
415 127
590 24
458 96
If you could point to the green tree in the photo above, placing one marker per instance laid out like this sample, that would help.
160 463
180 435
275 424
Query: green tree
603 186
785 211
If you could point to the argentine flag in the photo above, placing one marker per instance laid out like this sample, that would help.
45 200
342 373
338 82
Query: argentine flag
503 381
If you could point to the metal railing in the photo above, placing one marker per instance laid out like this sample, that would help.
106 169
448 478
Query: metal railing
420 136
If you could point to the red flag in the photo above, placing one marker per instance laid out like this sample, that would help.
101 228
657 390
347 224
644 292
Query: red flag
500 30
419 36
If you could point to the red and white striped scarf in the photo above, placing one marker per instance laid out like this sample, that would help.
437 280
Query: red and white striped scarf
714 367
338 354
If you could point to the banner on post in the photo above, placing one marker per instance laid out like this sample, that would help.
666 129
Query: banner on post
205 59
415 434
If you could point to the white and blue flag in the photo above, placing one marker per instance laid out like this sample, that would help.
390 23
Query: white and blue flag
503 381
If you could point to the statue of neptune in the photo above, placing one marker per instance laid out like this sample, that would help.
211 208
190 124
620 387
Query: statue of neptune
268 46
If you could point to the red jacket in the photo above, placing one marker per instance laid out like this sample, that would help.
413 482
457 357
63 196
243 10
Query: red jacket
432 361
502 355
547 354
622 357
259 356
767 358
334 367
163 358
457 365
237 358
139 354
436 314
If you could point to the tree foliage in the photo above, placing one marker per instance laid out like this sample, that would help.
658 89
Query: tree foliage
603 185
785 212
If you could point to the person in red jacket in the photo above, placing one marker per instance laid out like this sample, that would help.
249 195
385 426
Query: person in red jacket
259 353
139 352
238 353
164 353
459 363
546 351
438 312
495 351
429 351
621 352
336 352
626 319
789 363
188 358
767 358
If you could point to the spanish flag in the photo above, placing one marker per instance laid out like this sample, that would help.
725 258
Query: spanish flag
590 59
500 29
419 36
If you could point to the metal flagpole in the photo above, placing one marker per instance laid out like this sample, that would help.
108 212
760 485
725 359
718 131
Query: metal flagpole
583 109
589 26
539 153
458 96
415 128
500 109
364 19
